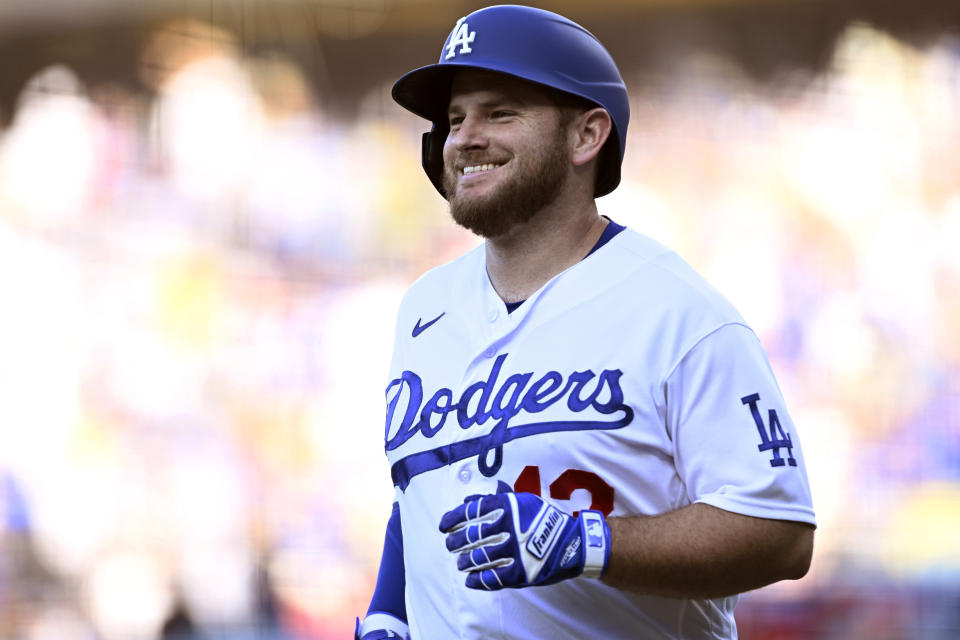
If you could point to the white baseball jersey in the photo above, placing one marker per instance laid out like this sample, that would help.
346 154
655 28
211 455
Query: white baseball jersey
625 384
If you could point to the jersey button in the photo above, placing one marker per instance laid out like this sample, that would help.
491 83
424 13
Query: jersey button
490 352
464 474
493 314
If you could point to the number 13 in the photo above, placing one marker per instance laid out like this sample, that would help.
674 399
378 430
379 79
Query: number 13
601 493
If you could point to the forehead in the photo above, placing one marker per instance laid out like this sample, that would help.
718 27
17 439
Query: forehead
478 84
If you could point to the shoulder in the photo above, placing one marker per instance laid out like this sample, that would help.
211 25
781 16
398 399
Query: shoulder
667 281
663 306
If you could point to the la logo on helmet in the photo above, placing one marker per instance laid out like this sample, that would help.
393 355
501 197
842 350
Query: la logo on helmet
462 37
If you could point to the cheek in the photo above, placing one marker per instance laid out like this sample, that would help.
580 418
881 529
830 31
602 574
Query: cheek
449 153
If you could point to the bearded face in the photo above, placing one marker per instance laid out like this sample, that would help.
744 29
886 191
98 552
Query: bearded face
531 180
507 155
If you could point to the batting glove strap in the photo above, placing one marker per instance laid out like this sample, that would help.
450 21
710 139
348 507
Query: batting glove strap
595 534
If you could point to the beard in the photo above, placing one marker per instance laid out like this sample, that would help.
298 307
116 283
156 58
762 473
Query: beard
535 182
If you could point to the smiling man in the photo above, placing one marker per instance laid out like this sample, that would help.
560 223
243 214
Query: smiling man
586 440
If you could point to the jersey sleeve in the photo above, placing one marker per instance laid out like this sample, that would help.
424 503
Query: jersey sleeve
736 447
388 595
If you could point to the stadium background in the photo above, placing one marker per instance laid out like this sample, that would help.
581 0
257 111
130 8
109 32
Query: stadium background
209 211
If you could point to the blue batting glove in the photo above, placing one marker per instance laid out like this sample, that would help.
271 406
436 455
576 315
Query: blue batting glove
512 539
363 632
380 634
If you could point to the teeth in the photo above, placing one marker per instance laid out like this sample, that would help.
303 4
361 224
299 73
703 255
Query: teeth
479 167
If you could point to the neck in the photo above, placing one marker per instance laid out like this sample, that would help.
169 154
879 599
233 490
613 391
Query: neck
524 259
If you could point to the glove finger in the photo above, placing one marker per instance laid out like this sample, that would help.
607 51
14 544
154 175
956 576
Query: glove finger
474 535
483 508
486 580
501 549
485 557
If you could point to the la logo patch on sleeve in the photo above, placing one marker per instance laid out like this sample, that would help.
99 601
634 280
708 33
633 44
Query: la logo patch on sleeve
777 438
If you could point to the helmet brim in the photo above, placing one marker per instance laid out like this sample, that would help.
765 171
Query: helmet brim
426 91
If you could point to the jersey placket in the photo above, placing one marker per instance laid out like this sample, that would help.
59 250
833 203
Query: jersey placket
493 325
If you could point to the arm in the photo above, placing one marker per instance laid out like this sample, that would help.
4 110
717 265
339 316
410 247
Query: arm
506 540
738 456
387 614
700 551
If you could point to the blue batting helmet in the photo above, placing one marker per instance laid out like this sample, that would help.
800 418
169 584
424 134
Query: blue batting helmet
532 44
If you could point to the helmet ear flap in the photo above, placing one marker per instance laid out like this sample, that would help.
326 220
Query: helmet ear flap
432 155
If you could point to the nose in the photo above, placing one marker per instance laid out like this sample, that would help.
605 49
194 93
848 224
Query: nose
470 133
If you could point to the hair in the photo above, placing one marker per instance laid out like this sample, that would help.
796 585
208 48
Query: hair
570 106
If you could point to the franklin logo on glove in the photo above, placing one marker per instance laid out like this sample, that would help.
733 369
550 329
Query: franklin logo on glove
545 532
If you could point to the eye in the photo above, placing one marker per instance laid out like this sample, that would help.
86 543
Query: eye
499 114
455 121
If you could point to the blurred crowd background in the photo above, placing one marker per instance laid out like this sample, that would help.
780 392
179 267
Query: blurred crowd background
200 265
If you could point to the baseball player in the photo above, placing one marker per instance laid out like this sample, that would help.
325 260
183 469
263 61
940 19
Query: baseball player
586 440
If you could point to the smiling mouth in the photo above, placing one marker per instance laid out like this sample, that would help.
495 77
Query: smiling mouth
478 168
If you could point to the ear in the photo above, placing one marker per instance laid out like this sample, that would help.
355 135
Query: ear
590 131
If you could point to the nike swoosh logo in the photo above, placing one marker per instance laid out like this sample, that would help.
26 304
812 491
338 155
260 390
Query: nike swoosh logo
420 328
